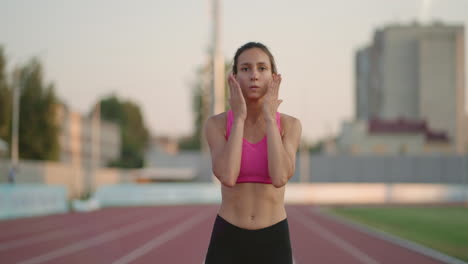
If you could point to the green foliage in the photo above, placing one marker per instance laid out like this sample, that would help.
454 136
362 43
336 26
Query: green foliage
38 129
200 106
38 126
134 135
317 147
5 101
190 143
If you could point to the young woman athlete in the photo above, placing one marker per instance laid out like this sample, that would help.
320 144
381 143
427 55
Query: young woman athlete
253 149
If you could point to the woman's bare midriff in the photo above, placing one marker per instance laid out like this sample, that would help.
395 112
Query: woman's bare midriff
252 205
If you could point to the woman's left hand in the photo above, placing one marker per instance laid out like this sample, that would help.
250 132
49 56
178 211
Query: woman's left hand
270 100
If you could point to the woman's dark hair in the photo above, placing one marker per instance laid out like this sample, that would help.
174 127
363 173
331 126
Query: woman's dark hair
252 45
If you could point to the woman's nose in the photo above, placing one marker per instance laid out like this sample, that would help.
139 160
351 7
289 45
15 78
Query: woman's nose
254 75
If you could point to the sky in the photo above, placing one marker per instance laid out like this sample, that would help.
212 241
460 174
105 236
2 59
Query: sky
148 51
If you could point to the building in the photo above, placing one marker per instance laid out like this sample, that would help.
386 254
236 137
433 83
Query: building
363 97
415 72
405 137
76 139
164 162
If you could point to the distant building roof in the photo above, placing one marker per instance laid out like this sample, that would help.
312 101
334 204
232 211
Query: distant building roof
402 125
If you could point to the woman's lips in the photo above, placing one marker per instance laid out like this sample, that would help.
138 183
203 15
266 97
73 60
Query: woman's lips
254 87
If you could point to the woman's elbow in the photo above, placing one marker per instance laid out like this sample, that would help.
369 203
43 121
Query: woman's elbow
279 184
225 180
229 183
281 180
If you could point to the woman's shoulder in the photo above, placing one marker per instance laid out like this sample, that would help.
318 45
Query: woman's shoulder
288 119
218 118
289 122
217 121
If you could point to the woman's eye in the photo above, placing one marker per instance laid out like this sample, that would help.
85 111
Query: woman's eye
244 69
263 68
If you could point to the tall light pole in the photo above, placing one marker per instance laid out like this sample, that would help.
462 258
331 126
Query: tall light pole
218 61
95 144
206 105
18 85
217 67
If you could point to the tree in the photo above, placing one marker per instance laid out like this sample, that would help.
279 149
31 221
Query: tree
38 127
199 112
317 147
134 134
5 101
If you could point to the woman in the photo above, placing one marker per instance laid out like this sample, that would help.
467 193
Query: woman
253 149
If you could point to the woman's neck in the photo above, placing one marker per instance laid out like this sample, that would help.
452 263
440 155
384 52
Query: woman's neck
254 112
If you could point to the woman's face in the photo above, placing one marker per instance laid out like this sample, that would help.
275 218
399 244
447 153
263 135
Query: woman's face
253 73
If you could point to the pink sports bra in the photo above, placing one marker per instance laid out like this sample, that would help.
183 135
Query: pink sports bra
254 160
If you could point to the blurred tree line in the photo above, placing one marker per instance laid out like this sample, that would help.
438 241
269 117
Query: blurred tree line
134 134
201 104
39 128
5 101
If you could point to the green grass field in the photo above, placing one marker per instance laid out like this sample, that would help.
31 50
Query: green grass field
442 228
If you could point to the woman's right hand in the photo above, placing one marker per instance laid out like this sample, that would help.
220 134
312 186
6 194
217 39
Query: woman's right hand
236 99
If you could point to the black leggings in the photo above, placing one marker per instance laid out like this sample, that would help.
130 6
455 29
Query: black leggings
232 244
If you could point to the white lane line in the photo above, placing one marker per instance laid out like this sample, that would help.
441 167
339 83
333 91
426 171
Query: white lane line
163 238
41 226
326 234
44 225
62 233
373 232
102 238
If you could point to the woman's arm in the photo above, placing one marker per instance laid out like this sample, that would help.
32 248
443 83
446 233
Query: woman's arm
225 155
282 151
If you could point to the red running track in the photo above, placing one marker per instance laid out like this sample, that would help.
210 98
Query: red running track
179 234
